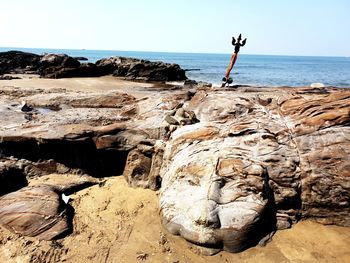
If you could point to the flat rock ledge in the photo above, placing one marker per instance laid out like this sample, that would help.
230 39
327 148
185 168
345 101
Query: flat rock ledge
232 166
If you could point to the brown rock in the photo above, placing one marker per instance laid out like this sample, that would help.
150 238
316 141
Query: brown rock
256 162
35 211
138 166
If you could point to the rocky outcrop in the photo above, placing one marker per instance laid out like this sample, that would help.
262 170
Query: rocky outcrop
63 66
232 165
52 65
138 69
81 58
142 168
17 61
259 160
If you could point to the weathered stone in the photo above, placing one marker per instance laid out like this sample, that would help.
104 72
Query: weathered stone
256 162
236 166
36 211
143 165
137 169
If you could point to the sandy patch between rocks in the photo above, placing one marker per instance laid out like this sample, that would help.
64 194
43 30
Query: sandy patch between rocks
116 223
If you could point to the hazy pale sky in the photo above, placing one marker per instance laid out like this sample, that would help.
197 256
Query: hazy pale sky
281 27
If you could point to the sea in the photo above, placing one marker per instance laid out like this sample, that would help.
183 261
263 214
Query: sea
258 70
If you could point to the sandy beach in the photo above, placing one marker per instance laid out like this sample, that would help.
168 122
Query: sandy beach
105 83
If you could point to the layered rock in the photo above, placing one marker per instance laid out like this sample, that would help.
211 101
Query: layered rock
41 210
35 211
232 165
258 160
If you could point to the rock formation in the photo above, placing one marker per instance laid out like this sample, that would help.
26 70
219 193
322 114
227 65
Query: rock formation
17 61
258 160
35 211
232 165
138 69
41 210
63 66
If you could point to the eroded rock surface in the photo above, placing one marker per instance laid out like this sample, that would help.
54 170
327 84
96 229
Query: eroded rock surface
232 165
37 211
258 160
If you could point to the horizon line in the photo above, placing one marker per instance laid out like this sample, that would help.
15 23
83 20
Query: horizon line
178 52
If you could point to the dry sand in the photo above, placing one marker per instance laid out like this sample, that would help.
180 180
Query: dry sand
107 83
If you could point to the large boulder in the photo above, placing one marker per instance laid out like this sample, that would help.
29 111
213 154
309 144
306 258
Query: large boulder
17 61
257 161
35 211
137 69
50 65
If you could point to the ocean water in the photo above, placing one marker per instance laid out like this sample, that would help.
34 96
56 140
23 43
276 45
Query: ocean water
249 69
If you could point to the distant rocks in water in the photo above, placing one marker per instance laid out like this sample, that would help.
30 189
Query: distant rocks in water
64 66
81 58
192 69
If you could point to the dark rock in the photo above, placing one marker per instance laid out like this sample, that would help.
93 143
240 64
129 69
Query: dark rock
81 58
58 60
84 70
17 61
64 66
25 107
190 82
137 69
51 65
12 177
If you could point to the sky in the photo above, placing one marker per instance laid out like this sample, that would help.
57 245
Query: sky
274 27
